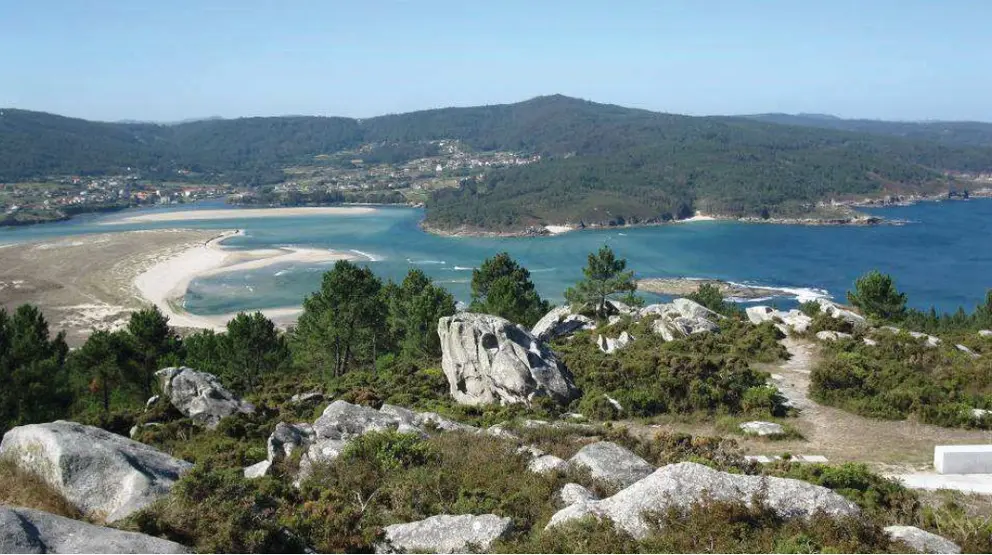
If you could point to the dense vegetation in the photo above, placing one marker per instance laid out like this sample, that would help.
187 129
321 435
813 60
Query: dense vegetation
601 163
901 376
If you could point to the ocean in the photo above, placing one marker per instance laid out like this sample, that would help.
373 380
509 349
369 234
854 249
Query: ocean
942 257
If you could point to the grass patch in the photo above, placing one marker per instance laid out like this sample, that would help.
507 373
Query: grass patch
23 489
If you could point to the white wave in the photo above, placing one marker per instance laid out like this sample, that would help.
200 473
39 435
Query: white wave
801 294
622 234
745 300
424 262
461 268
542 270
282 272
370 257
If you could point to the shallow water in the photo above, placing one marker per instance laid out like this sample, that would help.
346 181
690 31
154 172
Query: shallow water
943 258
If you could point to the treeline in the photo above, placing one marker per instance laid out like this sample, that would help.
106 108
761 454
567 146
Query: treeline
267 196
951 133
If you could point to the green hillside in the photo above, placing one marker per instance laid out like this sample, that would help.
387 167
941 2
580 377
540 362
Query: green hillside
600 163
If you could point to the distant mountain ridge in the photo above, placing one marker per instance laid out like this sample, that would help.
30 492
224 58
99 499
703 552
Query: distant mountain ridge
601 163
954 133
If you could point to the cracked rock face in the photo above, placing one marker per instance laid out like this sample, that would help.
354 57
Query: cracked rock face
561 322
105 475
488 359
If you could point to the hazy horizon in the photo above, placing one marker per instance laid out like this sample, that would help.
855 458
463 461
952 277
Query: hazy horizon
911 60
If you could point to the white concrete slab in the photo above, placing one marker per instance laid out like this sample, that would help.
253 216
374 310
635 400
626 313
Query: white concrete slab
969 483
963 459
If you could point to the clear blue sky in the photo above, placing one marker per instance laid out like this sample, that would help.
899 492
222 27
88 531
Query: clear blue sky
177 59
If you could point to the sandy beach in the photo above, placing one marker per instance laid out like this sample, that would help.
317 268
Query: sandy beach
86 282
165 283
242 213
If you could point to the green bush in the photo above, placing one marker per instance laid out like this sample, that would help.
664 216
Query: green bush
900 377
219 511
876 495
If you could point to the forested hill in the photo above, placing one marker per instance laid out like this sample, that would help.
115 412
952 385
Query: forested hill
599 162
954 133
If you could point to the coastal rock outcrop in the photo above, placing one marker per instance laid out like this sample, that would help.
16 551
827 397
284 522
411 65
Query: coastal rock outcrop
31 531
789 322
488 359
684 484
445 534
612 463
200 395
103 474
560 322
922 541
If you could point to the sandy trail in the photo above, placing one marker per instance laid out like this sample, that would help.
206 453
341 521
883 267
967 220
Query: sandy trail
843 436
165 283
242 213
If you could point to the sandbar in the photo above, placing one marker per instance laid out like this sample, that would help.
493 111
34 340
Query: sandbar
164 284
241 213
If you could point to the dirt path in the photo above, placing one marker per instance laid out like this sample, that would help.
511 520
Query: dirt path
888 446
842 436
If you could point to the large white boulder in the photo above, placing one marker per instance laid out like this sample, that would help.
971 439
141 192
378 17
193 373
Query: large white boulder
684 484
31 531
546 464
105 475
922 541
445 534
834 310
488 359
612 463
560 322
200 395
827 335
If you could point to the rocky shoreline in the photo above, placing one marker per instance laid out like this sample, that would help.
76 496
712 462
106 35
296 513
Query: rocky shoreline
688 286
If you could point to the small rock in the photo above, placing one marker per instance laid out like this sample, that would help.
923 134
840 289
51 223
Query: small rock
287 438
931 341
547 464
979 414
445 534
306 397
200 396
921 540
571 494
759 428
616 404
257 470
561 322
985 333
608 345
32 531
967 351
502 431
151 401
530 451
870 342
832 335
610 462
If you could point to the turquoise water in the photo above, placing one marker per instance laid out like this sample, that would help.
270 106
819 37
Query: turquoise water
942 258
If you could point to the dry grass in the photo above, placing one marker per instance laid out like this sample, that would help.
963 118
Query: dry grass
22 489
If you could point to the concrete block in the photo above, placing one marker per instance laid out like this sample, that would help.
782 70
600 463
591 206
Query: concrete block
963 459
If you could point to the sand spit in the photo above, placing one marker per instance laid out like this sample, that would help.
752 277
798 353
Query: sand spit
165 283
242 213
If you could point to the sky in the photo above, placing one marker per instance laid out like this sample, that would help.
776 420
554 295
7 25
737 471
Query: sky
180 59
